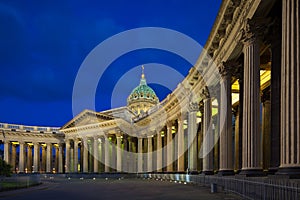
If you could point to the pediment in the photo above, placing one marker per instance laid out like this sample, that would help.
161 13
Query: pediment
87 117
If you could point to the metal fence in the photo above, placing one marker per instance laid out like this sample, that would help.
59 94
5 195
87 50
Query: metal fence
248 187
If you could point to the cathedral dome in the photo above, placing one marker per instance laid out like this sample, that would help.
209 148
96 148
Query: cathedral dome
142 97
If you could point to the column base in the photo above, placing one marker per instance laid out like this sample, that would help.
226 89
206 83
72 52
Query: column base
194 172
207 172
252 172
272 170
289 172
226 173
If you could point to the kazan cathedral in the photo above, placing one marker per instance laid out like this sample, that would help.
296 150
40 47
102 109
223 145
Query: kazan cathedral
245 124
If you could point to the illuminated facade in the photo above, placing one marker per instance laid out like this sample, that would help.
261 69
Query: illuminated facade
254 45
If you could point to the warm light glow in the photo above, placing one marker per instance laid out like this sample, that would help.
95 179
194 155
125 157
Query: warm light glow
15 143
235 97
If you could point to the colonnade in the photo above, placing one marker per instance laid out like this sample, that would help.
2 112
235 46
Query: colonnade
33 157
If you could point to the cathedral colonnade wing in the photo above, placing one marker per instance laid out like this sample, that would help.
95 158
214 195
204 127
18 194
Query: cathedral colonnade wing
245 123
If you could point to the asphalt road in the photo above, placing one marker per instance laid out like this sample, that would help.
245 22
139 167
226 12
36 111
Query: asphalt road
111 189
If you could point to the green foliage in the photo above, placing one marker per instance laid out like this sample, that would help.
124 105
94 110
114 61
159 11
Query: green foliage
5 169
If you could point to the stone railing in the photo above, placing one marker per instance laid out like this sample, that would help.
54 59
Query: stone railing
25 128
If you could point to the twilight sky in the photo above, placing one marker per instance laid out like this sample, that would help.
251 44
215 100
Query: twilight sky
43 43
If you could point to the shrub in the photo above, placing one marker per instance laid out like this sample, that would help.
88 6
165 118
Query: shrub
5 169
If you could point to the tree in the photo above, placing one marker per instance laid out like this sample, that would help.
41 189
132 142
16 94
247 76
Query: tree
5 169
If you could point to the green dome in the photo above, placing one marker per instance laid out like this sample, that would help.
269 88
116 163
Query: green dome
142 93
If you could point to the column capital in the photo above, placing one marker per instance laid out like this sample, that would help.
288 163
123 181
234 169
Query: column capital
169 123
225 68
193 107
254 29
205 93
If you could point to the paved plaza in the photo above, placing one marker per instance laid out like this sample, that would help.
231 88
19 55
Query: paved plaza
113 189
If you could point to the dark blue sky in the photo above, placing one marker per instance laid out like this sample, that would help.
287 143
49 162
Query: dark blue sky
43 43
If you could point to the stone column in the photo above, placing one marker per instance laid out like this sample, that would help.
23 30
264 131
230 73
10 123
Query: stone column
36 156
72 157
102 154
226 163
180 135
266 129
43 164
126 159
85 155
29 158
76 155
60 158
290 90
200 138
96 155
107 154
56 159
134 150
207 135
21 157
67 163
140 155
149 154
119 153
159 151
251 161
6 151
192 136
170 152
49 158
13 156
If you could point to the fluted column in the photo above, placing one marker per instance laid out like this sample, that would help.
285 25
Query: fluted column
207 136
180 135
251 161
67 163
85 155
21 157
226 163
140 154
159 151
96 155
119 153
76 155
36 156
170 153
49 159
6 151
290 90
236 139
107 154
149 154
60 158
